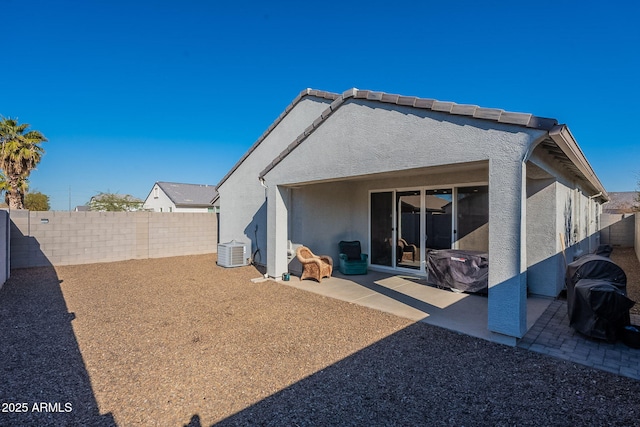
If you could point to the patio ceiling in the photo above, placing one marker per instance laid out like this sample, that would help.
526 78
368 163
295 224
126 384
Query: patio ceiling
482 167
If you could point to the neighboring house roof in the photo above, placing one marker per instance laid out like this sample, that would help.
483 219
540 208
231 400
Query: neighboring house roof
188 195
560 142
83 208
622 202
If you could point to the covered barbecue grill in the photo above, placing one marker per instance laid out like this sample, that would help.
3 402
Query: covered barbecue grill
597 300
465 271
593 266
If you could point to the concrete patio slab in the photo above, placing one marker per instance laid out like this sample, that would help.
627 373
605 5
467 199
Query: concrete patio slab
411 297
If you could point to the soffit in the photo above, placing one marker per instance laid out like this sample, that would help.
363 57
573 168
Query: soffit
459 168
573 170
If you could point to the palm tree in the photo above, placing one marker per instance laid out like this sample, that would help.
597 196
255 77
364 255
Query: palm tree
20 152
23 186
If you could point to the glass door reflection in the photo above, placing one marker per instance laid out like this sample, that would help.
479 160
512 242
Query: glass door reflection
382 228
408 215
439 211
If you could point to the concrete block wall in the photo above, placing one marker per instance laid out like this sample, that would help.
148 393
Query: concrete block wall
181 233
618 230
66 238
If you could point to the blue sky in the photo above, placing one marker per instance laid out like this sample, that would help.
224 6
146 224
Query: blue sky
133 92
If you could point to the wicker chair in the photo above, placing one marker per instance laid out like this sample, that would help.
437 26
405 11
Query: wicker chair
406 248
314 266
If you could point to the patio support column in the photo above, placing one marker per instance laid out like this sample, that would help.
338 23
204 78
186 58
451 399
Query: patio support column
277 225
507 305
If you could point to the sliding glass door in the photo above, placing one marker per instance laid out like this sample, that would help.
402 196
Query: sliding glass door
382 228
409 228
472 229
406 224
439 216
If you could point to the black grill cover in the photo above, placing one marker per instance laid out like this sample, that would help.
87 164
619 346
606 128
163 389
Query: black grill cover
466 271
597 300
604 250
594 266
599 309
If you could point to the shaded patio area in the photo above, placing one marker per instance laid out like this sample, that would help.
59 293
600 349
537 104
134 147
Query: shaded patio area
410 296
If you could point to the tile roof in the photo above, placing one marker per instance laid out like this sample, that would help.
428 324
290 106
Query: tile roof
188 194
492 114
473 111
572 157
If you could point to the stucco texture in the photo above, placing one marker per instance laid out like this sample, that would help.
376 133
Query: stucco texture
322 169
364 139
243 214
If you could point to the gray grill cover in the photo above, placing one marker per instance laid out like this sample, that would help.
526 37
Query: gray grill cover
600 309
466 271
594 266
597 300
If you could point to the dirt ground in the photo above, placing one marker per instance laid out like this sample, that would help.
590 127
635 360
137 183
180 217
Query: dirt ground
183 342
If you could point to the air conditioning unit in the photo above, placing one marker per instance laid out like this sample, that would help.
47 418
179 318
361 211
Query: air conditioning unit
232 254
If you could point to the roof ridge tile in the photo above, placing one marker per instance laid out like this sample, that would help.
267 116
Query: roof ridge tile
390 98
424 103
515 118
443 106
406 100
464 109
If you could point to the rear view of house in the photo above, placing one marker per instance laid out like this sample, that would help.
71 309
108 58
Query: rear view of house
385 169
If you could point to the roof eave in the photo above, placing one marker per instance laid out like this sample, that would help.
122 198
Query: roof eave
471 111
306 92
563 137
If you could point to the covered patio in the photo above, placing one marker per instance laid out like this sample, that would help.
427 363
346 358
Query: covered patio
383 169
410 296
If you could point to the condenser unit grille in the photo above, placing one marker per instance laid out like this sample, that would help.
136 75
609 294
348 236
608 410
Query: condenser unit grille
232 254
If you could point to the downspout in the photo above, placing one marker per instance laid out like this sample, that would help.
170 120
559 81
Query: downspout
261 179
257 251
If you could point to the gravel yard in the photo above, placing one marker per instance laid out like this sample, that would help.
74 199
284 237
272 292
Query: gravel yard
626 259
181 341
